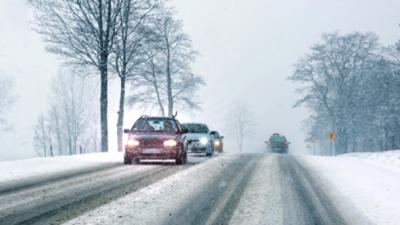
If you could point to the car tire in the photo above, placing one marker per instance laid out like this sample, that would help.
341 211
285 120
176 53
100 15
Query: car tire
136 161
209 154
127 161
185 158
181 160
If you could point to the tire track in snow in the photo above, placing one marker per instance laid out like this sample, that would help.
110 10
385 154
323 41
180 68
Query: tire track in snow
305 203
58 201
32 182
216 204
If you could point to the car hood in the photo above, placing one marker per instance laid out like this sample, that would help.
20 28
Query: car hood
195 136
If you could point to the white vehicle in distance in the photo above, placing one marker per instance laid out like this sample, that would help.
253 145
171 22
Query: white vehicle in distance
198 138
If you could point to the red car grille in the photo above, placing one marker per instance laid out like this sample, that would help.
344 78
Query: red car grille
151 143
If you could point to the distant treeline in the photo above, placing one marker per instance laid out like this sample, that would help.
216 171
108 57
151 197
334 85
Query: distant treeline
352 85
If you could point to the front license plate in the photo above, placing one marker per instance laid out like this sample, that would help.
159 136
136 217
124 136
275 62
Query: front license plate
151 151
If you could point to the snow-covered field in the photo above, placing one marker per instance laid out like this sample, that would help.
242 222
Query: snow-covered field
369 182
28 171
387 159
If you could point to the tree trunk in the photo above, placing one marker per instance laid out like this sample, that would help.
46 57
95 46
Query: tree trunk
70 143
103 107
103 44
155 84
160 102
120 122
58 132
170 99
51 151
169 82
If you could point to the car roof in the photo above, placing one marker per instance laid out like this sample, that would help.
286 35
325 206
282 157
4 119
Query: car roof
157 117
194 124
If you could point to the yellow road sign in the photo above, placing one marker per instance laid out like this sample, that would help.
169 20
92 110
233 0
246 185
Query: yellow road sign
331 136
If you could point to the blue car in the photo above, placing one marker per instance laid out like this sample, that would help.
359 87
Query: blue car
278 144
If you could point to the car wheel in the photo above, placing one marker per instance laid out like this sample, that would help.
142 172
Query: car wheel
185 158
209 154
181 159
127 161
136 161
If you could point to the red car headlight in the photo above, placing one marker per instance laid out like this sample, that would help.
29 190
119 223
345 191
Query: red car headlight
132 143
170 143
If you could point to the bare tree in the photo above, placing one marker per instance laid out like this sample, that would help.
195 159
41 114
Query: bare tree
240 123
330 76
148 89
179 55
128 52
167 78
83 32
154 81
42 137
7 99
68 124
55 116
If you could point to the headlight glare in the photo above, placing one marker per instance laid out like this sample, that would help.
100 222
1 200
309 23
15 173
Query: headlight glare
170 143
132 143
203 141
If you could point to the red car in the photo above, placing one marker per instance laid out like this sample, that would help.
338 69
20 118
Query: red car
155 138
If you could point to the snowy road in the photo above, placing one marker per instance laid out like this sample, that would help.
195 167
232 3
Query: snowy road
65 197
229 189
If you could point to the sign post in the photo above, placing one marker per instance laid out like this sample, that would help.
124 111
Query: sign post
332 137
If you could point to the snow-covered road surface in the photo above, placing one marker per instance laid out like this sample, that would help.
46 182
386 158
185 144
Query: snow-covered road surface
228 189
66 195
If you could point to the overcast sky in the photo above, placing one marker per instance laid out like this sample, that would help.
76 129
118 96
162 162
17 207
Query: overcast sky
247 48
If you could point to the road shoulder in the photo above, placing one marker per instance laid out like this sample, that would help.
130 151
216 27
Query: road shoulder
363 193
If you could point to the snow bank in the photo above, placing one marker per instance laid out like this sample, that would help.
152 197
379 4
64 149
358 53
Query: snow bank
387 159
355 183
20 173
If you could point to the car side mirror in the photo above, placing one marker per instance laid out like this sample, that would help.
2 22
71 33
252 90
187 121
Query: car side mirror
184 131
266 142
127 131
222 137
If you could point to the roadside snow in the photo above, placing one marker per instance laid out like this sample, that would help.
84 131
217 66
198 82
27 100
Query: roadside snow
19 173
387 159
356 184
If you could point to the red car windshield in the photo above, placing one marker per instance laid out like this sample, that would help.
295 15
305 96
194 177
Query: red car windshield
155 125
